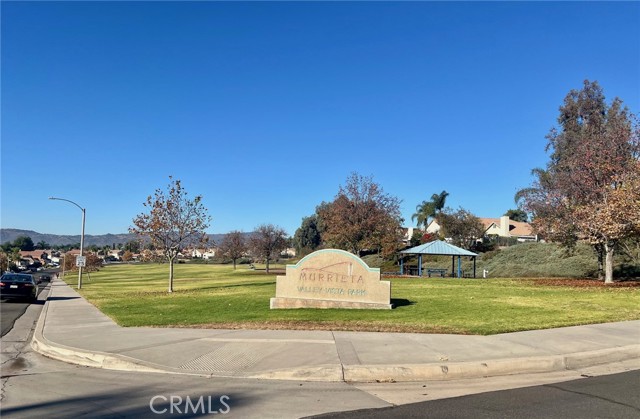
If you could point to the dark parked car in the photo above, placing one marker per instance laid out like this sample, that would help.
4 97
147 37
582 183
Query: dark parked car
45 277
18 286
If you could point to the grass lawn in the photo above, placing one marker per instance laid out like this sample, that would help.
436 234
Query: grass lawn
216 296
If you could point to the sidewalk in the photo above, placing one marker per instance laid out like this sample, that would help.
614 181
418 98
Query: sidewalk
72 330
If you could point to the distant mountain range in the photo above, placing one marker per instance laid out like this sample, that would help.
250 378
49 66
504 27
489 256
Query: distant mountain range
10 234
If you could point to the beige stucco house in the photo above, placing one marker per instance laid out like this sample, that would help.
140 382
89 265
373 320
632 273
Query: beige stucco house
502 227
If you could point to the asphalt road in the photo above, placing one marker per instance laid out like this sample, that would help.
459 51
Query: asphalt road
11 310
608 396
33 385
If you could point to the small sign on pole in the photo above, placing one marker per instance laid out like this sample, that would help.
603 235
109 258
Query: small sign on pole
81 261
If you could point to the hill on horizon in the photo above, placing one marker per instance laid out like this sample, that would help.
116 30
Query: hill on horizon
100 240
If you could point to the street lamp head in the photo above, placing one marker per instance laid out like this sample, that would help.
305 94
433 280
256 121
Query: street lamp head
66 200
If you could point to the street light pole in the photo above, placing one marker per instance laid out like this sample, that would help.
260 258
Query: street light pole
84 211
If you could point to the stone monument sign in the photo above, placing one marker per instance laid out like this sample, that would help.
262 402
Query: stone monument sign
331 278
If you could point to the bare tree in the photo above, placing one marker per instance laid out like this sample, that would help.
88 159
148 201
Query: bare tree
173 222
267 240
233 246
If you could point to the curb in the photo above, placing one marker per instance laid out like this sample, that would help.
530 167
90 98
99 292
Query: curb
105 360
457 370
324 374
347 373
492 368
77 356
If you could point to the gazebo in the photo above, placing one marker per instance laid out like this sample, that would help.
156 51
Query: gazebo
438 247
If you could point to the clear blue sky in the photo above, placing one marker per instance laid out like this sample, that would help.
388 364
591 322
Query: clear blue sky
266 108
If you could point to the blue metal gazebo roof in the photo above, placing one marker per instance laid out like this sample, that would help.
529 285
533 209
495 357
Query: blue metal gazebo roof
438 247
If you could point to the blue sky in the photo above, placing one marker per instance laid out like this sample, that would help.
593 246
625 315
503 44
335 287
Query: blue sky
266 108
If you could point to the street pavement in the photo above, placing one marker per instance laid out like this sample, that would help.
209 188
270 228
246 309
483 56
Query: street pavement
609 396
73 330
11 310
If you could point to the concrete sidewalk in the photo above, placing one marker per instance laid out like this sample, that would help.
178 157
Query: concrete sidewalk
72 330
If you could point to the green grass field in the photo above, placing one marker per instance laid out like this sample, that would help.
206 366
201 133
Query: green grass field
216 296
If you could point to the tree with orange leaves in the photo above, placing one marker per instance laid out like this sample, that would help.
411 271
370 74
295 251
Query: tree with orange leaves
173 222
361 217
590 189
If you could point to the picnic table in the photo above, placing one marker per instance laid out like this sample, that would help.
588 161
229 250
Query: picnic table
438 271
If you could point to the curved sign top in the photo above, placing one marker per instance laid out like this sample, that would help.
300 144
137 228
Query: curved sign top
331 278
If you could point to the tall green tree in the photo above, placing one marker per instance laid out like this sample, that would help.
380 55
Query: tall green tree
173 222
132 246
517 215
42 245
307 237
106 249
427 210
589 189
24 243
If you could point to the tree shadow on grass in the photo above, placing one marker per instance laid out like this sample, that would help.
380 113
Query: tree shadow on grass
401 302
245 284
272 271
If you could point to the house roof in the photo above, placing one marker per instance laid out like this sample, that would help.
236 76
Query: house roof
516 228
488 222
33 254
438 247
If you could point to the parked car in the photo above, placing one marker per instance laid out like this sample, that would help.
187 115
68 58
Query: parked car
45 277
18 286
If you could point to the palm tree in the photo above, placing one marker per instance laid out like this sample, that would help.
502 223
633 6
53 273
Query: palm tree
429 209
439 200
105 250
424 211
